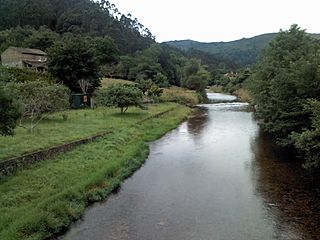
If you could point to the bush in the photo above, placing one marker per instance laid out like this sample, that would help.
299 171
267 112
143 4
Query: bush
23 75
10 111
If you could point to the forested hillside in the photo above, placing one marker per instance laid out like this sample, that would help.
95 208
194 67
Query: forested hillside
243 52
118 44
99 18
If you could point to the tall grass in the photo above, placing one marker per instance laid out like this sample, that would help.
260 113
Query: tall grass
106 82
38 202
180 95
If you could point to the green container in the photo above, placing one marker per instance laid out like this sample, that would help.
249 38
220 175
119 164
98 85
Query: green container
80 100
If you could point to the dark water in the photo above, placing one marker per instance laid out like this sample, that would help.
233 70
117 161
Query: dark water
215 177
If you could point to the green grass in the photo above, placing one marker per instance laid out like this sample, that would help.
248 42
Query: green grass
37 202
79 124
180 95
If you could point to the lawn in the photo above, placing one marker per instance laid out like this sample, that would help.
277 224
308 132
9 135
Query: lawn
73 125
44 199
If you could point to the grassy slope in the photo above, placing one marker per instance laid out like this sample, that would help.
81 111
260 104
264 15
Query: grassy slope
44 199
79 124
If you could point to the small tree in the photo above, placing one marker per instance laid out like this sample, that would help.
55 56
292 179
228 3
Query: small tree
155 92
10 111
144 85
40 98
121 96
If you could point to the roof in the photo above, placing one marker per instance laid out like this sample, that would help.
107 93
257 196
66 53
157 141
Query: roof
28 51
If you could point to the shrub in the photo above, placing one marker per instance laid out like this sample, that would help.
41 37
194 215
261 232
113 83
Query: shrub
10 111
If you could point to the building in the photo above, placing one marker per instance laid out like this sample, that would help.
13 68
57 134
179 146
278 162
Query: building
24 58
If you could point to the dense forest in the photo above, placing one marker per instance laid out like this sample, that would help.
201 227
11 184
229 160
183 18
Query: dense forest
243 52
285 85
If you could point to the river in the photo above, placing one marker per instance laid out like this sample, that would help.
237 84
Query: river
215 177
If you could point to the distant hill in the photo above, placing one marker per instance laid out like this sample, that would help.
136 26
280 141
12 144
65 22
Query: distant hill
243 52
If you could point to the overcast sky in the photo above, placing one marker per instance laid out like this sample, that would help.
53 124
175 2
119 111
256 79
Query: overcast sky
224 20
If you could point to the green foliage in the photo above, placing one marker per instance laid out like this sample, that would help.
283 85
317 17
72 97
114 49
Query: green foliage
104 49
196 76
233 81
155 92
96 18
286 75
160 63
71 61
10 111
239 53
144 85
39 98
42 38
23 75
121 96
308 141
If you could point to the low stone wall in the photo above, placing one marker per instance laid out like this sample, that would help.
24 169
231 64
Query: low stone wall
11 165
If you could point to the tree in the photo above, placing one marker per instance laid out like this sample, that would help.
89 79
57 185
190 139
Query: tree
39 98
286 75
104 49
308 140
196 76
121 96
70 61
10 111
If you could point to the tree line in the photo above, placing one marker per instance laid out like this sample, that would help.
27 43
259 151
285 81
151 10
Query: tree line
285 86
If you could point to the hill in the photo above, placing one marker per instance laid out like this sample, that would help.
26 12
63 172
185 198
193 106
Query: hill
243 52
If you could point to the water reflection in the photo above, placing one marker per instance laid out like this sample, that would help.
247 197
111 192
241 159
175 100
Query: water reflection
287 192
198 121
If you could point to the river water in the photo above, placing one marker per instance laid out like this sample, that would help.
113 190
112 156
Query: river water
215 177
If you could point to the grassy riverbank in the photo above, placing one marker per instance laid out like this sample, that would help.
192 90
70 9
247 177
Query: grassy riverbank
71 125
37 202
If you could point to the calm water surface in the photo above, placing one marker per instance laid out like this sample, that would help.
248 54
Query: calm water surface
215 177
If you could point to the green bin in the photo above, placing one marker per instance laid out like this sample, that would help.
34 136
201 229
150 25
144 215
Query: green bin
80 100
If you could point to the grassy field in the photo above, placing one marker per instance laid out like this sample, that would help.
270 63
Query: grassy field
42 200
77 124
106 82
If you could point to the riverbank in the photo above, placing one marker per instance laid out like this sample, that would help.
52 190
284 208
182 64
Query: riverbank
38 202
